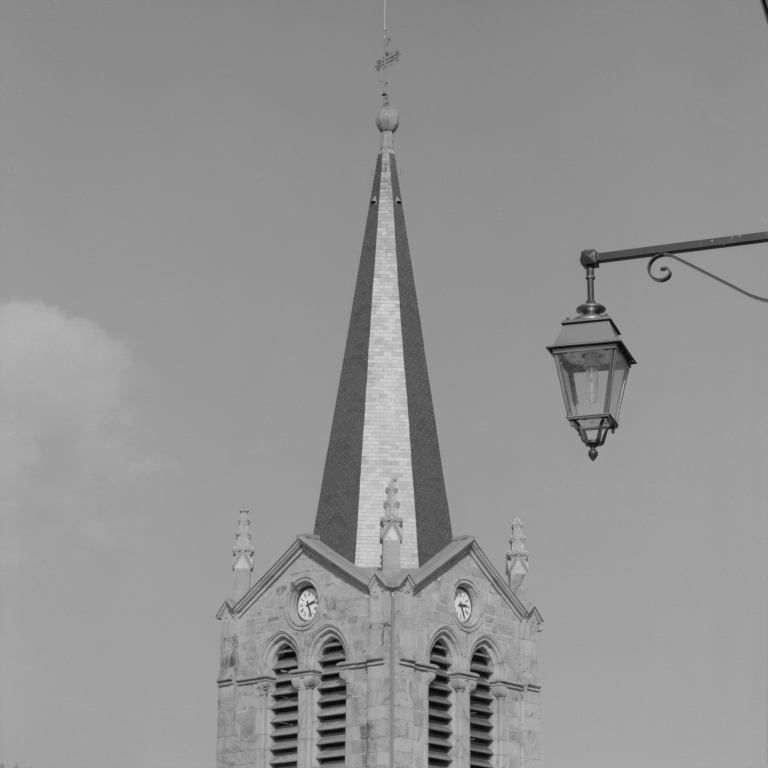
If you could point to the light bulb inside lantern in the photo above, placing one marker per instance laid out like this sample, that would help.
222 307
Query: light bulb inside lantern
591 363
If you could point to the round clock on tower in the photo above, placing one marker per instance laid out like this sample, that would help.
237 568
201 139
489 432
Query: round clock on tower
462 606
307 605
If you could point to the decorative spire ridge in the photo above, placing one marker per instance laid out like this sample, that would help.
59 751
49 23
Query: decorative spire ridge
391 530
517 556
243 556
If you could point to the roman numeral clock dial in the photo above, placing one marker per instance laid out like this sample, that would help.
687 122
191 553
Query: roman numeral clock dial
462 605
307 606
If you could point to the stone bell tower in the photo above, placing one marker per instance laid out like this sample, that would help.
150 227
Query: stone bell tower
381 640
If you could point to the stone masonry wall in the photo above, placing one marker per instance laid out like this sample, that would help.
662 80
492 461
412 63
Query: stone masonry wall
362 621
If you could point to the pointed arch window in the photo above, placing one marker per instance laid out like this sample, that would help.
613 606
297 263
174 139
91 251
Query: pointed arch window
481 712
332 708
440 719
284 748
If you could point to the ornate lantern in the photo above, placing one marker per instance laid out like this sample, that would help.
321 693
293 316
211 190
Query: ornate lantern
593 364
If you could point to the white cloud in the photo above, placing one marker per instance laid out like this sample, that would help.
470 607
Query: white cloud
68 432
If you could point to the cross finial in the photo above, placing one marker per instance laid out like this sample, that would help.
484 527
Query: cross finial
387 61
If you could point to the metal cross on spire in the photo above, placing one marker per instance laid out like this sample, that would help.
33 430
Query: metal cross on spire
387 61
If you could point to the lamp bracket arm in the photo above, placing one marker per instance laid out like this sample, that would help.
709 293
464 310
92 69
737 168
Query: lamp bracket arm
667 274
692 245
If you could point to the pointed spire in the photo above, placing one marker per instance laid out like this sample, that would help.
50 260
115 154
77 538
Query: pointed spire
517 557
242 553
384 421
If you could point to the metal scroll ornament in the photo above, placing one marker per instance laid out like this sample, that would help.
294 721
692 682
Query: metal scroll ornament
667 274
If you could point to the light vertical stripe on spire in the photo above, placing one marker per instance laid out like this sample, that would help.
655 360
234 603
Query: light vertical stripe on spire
386 435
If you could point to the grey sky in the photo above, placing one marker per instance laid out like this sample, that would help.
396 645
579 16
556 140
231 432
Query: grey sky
184 188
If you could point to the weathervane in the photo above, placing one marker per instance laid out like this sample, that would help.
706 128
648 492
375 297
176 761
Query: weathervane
388 60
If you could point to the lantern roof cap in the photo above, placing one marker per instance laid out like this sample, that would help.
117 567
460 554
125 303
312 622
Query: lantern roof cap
592 331
600 321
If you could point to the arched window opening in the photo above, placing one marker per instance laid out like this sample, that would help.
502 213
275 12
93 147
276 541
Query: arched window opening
285 711
481 712
440 731
332 708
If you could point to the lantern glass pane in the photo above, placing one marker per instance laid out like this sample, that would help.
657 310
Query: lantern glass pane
592 427
620 373
585 375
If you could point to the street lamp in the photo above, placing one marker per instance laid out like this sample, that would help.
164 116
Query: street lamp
593 364
592 361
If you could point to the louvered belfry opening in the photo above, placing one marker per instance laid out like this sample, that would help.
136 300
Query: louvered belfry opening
440 720
285 710
481 712
332 708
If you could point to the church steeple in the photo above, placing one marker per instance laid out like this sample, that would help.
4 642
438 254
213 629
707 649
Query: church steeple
384 422
331 657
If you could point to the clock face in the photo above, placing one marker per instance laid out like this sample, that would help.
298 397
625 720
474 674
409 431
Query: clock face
462 605
307 604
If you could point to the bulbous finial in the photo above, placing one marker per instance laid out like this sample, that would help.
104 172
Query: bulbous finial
387 119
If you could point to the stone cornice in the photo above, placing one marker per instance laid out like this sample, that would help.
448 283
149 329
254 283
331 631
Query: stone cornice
450 555
441 562
403 581
499 582
333 561
314 548
535 617
225 612
362 664
419 666
514 685
255 679
268 579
